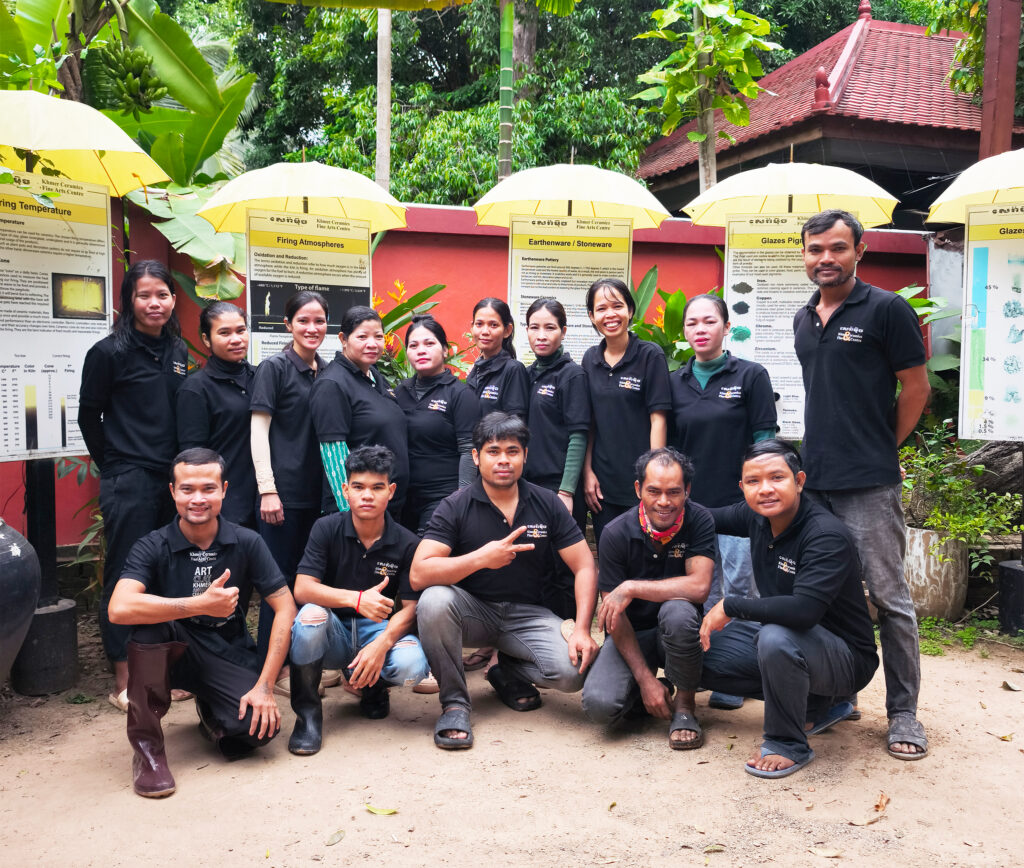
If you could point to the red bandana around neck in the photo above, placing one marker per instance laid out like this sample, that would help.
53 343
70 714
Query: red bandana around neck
661 536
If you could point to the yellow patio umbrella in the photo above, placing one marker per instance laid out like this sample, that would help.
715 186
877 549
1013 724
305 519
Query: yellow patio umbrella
573 191
82 143
988 182
792 188
303 188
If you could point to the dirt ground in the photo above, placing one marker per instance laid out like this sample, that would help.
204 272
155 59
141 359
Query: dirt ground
544 788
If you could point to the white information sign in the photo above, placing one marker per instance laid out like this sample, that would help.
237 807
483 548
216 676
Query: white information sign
992 352
291 252
560 257
765 285
55 303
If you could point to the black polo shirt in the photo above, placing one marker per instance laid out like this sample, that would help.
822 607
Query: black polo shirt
501 383
559 406
281 388
335 555
715 425
849 370
467 520
168 565
135 390
213 411
815 558
447 413
622 400
346 405
626 552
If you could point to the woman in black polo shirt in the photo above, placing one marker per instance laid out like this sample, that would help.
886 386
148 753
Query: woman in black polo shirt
629 398
497 378
126 415
284 447
720 405
441 412
352 405
214 406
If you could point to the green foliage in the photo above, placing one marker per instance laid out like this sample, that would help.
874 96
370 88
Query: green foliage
130 70
719 58
940 493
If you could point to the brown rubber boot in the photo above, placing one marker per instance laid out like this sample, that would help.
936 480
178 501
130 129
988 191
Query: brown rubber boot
149 697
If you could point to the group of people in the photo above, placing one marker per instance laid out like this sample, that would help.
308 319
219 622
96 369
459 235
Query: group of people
386 527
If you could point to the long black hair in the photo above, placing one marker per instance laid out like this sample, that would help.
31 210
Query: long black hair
505 315
214 311
124 325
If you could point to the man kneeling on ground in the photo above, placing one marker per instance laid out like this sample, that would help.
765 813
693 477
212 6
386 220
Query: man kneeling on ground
185 588
354 570
655 571
808 639
484 562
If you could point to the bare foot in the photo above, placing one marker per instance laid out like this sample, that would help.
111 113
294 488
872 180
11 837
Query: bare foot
905 747
770 762
453 733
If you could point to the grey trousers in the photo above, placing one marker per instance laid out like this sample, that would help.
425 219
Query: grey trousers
611 690
530 637
783 667
875 518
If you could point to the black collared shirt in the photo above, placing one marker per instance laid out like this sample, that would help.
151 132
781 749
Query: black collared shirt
622 400
168 565
446 413
626 552
346 405
134 390
849 370
213 411
715 425
281 388
335 555
501 383
809 574
467 520
559 406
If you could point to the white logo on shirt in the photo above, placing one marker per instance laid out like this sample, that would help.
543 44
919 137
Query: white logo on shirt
631 383
203 575
787 565
850 335
730 393
536 531
546 390
386 569
490 393
179 368
439 404
677 551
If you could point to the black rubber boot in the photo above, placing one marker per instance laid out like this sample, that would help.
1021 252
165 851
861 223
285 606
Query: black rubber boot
375 702
149 697
308 707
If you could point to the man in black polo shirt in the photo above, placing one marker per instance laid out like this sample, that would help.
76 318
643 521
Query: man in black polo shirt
808 638
482 566
656 563
185 588
855 343
355 567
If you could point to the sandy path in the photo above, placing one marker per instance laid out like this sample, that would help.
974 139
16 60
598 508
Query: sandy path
544 788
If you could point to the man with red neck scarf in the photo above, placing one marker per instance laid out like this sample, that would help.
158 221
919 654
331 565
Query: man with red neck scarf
655 566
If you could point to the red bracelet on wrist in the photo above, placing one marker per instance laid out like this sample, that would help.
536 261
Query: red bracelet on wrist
359 599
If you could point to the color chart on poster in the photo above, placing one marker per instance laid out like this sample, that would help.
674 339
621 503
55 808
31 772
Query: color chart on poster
55 274
992 351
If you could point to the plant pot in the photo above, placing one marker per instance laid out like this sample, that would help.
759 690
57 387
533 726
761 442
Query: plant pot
938 588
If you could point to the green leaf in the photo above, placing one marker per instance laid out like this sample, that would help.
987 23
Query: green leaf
169 151
35 19
381 811
204 135
673 327
644 292
395 317
696 137
154 123
176 60
335 838
943 362
11 39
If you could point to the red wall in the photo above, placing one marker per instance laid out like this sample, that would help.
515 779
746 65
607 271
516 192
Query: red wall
444 245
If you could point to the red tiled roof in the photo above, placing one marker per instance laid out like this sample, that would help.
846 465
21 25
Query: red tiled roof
897 75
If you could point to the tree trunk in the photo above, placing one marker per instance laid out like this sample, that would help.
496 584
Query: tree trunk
382 162
524 43
707 169
507 84
1002 460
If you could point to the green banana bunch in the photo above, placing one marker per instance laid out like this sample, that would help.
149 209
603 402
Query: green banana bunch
134 83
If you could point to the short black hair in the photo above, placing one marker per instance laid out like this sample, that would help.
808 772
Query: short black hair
370 459
500 426
666 455
614 285
775 446
355 316
300 299
214 311
826 220
196 457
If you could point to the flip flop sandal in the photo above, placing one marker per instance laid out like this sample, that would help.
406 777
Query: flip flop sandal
119 700
330 678
477 660
778 773
906 729
454 718
428 685
836 714
681 721
511 690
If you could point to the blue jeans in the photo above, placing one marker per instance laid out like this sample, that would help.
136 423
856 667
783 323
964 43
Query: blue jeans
336 642
874 517
734 572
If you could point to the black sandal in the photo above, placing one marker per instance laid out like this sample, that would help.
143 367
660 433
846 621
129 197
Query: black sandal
375 701
517 694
